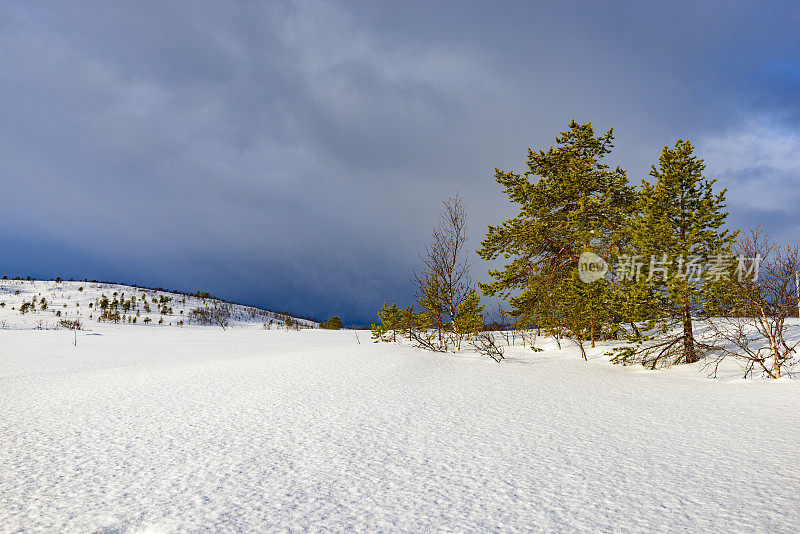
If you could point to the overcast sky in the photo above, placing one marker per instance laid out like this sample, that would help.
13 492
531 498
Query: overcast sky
294 155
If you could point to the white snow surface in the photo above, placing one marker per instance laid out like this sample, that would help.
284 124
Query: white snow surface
156 429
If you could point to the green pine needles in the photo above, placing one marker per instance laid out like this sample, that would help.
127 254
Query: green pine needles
570 201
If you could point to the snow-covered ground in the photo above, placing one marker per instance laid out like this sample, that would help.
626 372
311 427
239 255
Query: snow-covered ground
150 428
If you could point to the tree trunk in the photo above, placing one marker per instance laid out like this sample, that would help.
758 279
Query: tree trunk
775 365
689 353
636 330
773 347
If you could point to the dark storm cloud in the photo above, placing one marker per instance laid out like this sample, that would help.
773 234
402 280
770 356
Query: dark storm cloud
294 155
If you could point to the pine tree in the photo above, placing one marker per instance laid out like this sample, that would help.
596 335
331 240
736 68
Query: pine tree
679 226
585 308
391 322
469 320
569 201
421 330
432 299
334 323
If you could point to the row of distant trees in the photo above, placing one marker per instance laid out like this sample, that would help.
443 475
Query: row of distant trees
715 290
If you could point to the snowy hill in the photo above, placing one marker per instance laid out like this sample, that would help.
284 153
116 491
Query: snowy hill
48 304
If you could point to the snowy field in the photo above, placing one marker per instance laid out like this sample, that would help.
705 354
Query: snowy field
151 429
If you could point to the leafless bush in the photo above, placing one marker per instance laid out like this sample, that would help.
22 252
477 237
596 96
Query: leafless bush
753 329
71 324
485 344
529 337
218 315
430 339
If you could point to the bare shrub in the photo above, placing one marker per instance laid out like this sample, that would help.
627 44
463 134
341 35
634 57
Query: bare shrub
429 339
754 309
215 315
485 344
71 324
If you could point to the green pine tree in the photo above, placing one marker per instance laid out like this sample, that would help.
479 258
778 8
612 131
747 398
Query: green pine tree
334 323
469 320
678 229
392 320
433 303
570 201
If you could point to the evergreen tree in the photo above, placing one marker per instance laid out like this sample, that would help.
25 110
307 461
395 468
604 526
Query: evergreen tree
432 298
334 323
570 201
469 320
408 320
392 321
677 230
421 330
584 308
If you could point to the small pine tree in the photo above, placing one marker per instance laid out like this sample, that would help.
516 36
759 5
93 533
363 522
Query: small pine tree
469 320
432 301
391 322
334 323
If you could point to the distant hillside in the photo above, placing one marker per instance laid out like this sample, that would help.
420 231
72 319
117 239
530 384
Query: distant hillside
49 304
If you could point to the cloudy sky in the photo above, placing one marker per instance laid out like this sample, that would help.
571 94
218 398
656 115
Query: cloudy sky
294 155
